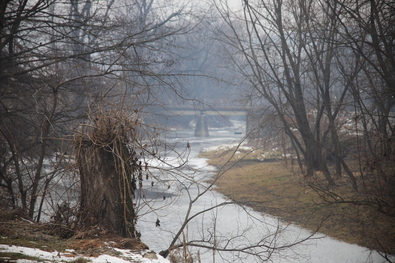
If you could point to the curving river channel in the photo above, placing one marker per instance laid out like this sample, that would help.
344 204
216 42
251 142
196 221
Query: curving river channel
233 227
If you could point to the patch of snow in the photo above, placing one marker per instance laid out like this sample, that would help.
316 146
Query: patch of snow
227 146
126 256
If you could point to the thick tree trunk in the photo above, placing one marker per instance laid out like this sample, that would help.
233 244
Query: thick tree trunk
106 187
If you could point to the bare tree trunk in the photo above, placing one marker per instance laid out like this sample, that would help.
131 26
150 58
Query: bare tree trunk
107 187
48 118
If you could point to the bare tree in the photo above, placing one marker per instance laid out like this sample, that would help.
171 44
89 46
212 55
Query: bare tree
324 69
55 58
366 31
289 66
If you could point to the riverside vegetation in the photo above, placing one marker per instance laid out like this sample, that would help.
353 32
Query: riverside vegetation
270 183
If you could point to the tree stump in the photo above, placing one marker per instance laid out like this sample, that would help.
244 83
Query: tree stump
107 179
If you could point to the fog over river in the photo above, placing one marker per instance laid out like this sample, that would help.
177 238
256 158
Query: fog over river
232 226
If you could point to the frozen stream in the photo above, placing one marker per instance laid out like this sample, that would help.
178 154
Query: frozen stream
231 225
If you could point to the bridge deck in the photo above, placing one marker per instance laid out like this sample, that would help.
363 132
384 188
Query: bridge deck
219 111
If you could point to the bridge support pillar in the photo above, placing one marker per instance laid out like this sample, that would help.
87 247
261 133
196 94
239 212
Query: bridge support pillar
201 129
248 122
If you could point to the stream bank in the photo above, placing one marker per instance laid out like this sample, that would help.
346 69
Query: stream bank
273 188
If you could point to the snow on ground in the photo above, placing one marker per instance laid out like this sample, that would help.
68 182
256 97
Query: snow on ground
126 256
226 146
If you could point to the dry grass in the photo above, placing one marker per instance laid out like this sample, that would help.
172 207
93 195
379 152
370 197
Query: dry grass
276 188
18 231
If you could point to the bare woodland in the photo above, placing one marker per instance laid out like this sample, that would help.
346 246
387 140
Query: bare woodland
324 71
78 77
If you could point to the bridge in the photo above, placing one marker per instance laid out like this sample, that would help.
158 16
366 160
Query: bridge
201 129
226 111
